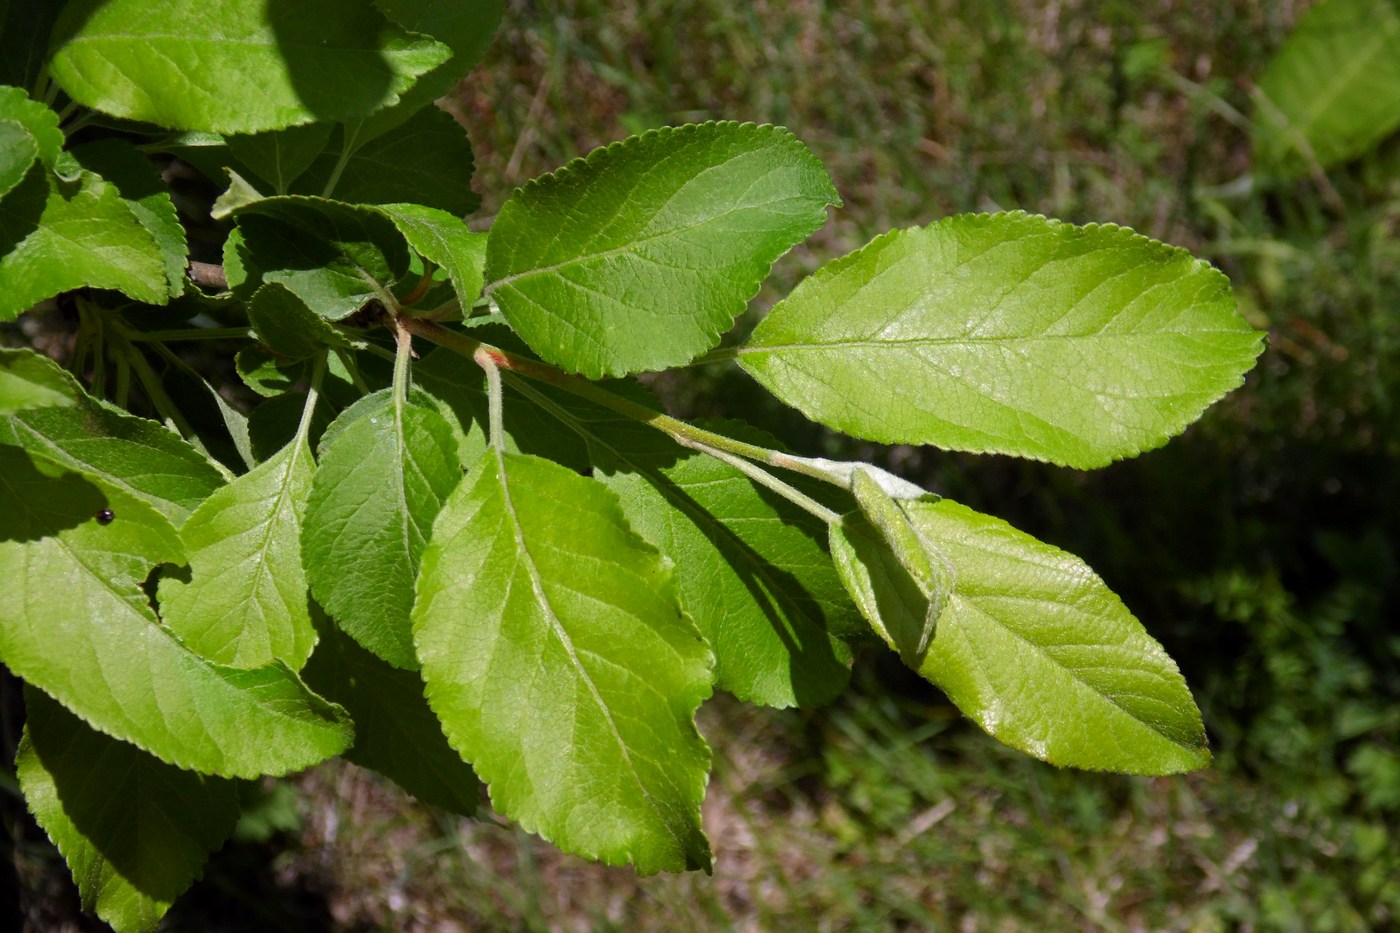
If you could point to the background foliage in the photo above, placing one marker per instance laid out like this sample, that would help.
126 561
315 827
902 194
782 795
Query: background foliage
1261 546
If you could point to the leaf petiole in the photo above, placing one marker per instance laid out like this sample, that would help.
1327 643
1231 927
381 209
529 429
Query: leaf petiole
687 435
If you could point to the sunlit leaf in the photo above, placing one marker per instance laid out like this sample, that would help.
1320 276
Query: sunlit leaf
1030 644
101 652
562 667
639 256
236 66
245 601
383 476
1008 333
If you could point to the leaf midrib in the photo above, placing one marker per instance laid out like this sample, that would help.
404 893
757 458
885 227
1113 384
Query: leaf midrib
557 627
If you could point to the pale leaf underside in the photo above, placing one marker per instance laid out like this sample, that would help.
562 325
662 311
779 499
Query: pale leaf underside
561 666
1030 644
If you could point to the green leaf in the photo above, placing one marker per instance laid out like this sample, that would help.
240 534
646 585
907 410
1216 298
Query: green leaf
56 236
383 476
1031 644
130 861
279 157
1333 91
79 627
396 734
752 569
561 666
335 257
239 193
236 66
445 241
268 375
639 256
465 27
140 457
245 602
32 380
287 327
428 160
1008 333
28 131
146 196
18 150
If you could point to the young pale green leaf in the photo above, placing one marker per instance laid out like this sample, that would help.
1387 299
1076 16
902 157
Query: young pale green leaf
139 457
56 236
639 256
752 568
464 27
1008 333
1031 644
236 66
244 603
561 666
28 132
79 627
287 327
445 241
427 160
146 196
383 476
396 734
279 157
1333 90
335 257
32 380
132 860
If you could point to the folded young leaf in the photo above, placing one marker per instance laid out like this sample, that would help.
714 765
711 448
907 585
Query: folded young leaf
236 66
1333 90
559 661
28 131
32 380
396 734
920 558
1008 333
384 473
335 257
244 601
79 627
56 236
640 255
1031 644
426 160
132 860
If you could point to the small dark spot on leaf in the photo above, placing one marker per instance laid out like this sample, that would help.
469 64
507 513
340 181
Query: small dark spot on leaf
105 516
